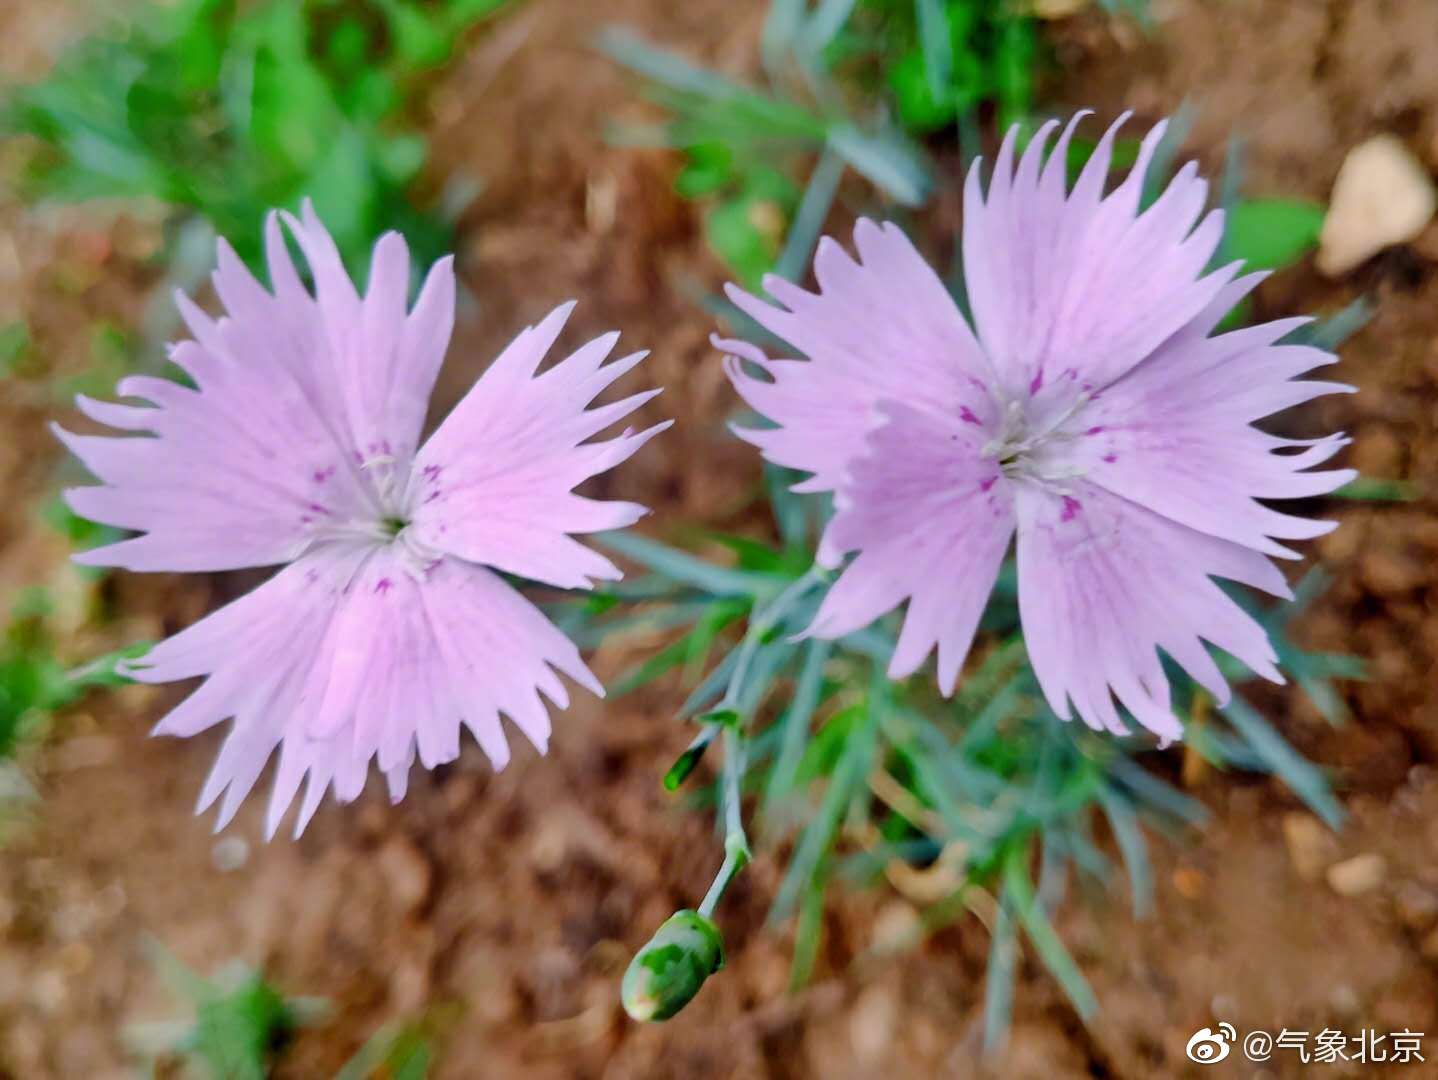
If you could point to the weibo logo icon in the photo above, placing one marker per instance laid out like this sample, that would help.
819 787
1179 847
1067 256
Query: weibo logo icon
1208 1047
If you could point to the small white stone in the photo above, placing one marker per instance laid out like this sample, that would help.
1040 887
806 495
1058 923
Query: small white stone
1382 196
229 854
1058 9
1357 875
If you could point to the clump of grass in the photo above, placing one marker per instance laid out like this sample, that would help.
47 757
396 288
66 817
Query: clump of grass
237 1023
225 110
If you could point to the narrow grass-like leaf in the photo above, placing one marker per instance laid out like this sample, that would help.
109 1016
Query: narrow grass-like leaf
627 48
781 28
712 688
809 932
810 217
1301 776
1129 835
999 986
824 25
1331 332
1154 793
795 722
681 566
885 160
847 778
1040 931
1371 489
937 46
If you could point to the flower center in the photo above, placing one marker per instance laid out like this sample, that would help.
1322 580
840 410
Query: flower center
386 522
1026 450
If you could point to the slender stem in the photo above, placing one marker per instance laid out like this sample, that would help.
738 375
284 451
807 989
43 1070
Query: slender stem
764 621
736 843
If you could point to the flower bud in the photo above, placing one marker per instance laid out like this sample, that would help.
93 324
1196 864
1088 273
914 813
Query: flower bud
665 975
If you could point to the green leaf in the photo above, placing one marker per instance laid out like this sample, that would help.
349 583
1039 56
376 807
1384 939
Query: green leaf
999 984
936 44
747 234
794 725
1269 234
849 774
709 168
1302 777
1372 489
684 764
689 649
888 161
1126 831
293 114
721 717
14 347
682 567
1018 889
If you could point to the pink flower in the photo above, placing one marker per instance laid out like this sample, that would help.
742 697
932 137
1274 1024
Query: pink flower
389 625
1090 410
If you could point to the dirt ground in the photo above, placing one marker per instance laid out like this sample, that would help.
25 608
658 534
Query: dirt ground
507 905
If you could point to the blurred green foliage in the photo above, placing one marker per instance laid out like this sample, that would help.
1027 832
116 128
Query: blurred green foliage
1269 234
867 85
239 1022
943 59
14 348
34 684
230 109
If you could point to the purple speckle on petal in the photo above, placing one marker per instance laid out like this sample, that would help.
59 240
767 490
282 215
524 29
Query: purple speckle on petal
967 416
321 475
1037 383
384 585
1094 430
988 484
1110 458
1071 508
431 472
318 509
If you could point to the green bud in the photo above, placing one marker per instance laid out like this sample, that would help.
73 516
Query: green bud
722 717
680 770
665 975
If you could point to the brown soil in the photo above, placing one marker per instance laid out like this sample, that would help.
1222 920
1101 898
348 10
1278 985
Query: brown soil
510 903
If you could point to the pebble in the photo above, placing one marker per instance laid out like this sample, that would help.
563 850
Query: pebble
1058 9
1343 999
1189 882
896 927
1310 845
872 1023
1381 197
229 854
1357 875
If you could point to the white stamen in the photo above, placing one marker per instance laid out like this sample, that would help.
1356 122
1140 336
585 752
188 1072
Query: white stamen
1019 450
